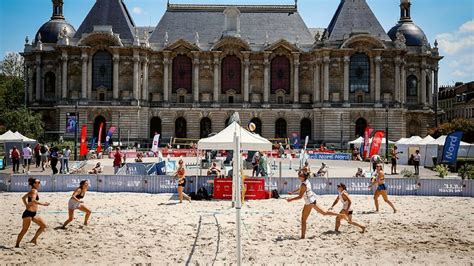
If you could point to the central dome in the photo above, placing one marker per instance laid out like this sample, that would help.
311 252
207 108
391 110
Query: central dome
51 29
414 35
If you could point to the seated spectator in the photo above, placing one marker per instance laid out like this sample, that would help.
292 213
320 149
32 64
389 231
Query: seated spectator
214 170
322 172
360 173
96 170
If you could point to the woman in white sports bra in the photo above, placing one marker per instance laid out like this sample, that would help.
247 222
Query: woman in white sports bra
305 192
346 212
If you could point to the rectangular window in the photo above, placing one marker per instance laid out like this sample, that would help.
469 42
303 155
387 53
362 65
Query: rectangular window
231 99
181 99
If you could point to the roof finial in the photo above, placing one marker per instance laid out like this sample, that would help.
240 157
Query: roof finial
27 40
58 9
405 6
168 3
196 37
166 39
266 38
436 43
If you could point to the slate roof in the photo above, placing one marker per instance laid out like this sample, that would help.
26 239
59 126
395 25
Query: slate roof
109 12
280 21
355 16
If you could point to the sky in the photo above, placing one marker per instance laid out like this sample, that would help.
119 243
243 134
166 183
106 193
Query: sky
451 22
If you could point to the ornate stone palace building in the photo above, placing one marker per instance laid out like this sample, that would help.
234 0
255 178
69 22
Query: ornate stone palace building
186 76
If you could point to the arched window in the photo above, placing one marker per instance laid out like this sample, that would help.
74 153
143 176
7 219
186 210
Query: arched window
205 127
155 126
280 128
180 128
182 73
412 86
305 128
49 84
231 74
97 121
361 125
280 74
359 73
102 70
258 125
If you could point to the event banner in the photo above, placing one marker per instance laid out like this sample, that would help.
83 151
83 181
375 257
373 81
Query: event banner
295 140
365 145
451 147
331 156
109 136
70 122
376 143
83 150
156 142
99 144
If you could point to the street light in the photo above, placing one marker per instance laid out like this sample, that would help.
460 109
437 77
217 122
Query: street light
386 132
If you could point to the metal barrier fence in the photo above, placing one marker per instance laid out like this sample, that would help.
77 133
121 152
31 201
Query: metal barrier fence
168 184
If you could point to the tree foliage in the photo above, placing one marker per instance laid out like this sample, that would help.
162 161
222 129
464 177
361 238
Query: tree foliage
458 124
14 115
12 66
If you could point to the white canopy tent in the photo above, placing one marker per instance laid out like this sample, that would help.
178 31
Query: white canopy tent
360 140
235 137
24 138
9 136
431 149
407 146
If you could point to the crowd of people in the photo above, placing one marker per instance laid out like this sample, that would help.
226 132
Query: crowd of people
43 157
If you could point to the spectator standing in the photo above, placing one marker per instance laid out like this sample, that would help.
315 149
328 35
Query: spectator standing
255 159
117 160
281 150
416 162
44 156
15 155
394 152
66 156
54 159
27 154
37 155
262 164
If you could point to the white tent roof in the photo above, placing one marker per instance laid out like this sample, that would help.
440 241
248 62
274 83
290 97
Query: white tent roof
224 140
412 140
441 140
401 141
25 139
10 136
358 140
426 140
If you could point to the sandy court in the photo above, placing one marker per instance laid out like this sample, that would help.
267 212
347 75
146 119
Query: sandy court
132 228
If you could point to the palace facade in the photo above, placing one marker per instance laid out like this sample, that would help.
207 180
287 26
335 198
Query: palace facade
186 76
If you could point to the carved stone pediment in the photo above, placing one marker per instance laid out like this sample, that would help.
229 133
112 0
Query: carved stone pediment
106 39
182 46
363 41
230 42
181 91
289 47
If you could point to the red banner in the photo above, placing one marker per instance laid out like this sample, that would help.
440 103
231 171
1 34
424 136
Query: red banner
255 188
99 144
376 143
84 150
367 133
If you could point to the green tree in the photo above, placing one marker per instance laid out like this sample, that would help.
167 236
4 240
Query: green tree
458 124
12 66
24 121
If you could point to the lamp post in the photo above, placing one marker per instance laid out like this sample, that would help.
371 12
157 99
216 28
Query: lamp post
386 132
119 136
75 130
342 129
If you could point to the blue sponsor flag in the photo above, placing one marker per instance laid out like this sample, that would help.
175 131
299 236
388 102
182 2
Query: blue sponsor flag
161 168
451 147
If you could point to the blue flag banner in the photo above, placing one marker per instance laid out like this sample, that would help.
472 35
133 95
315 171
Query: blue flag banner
161 168
451 147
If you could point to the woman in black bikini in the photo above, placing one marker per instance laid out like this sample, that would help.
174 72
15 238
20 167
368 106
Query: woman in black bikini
75 202
180 174
31 202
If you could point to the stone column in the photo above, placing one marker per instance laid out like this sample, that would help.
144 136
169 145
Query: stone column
64 77
89 77
166 64
266 77
196 77
378 61
38 77
246 76
216 62
317 81
326 61
145 79
84 76
136 61
116 76
403 83
397 96
435 85
347 60
430 89
296 77
423 85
